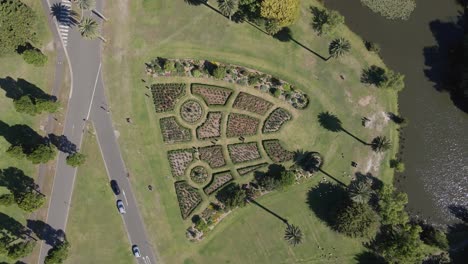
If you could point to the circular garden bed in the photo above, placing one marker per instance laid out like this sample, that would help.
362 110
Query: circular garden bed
191 111
199 175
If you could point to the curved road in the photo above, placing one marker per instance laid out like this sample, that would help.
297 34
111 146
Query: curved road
88 102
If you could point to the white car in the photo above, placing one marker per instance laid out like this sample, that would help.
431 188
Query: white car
136 251
121 207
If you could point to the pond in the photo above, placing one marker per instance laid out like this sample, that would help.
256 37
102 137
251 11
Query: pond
435 142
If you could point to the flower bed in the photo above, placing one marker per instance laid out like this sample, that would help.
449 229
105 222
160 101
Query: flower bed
199 175
166 95
243 152
246 170
219 180
275 120
276 152
252 103
211 128
241 125
189 198
179 161
213 155
191 111
233 73
212 95
174 132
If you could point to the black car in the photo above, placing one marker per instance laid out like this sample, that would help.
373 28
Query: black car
115 187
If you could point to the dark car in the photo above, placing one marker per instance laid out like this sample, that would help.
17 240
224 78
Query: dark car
115 187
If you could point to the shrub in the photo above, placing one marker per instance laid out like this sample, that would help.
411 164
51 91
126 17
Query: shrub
397 164
42 154
272 180
339 47
391 9
29 201
34 57
25 105
326 21
169 66
357 220
232 196
201 225
219 73
196 73
16 152
372 46
382 78
58 254
254 79
434 237
7 199
21 249
76 159
272 27
47 105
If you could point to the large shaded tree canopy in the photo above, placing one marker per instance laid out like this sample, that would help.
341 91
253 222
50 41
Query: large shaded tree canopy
285 11
17 22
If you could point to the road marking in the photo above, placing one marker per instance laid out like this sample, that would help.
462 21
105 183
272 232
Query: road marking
147 258
94 90
125 196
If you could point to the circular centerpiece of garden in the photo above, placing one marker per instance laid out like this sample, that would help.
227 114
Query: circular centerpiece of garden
191 111
199 175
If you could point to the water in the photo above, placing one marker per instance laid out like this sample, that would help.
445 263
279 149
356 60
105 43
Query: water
435 144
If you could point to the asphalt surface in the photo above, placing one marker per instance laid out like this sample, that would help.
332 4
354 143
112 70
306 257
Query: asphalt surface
88 103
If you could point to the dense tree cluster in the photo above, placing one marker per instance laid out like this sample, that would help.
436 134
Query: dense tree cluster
383 78
34 57
58 254
232 196
276 180
33 106
326 21
284 12
23 190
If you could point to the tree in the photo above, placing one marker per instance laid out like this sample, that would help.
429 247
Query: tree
76 159
293 235
339 47
400 244
34 57
397 164
374 75
88 28
357 220
7 199
232 196
16 151
42 153
18 23
360 191
287 178
434 237
380 144
21 249
85 5
326 21
272 27
29 200
25 105
285 12
392 206
58 254
227 7
47 105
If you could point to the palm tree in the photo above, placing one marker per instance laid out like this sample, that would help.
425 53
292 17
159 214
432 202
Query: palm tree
227 7
85 5
339 47
360 191
293 235
88 28
380 144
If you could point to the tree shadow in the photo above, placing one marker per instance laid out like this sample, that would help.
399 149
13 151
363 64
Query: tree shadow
285 35
274 171
368 257
284 220
63 143
457 234
445 60
17 88
21 135
333 178
308 160
324 198
16 181
332 123
376 185
46 233
12 229
64 15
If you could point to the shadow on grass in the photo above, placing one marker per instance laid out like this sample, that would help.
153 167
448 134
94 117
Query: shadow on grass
16 88
325 197
46 233
332 123
367 257
11 229
284 220
16 181
21 135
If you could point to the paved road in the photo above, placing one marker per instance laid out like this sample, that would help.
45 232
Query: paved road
87 97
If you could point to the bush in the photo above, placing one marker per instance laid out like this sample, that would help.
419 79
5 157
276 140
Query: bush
219 73
34 57
169 66
7 199
29 201
397 164
47 105
272 27
25 105
326 21
196 73
232 196
21 250
16 152
382 78
434 237
58 254
76 159
391 9
254 79
201 225
274 180
372 46
357 220
43 153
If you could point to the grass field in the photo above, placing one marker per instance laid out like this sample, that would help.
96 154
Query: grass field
95 229
13 66
166 28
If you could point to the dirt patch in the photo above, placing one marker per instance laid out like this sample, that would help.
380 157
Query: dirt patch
364 101
378 121
373 163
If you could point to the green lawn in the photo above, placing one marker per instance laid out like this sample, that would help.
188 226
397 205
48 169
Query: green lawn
166 28
13 66
95 229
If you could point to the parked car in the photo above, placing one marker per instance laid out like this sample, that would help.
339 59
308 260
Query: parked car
121 207
115 187
136 251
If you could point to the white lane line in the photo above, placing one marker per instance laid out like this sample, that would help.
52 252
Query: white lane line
125 197
94 90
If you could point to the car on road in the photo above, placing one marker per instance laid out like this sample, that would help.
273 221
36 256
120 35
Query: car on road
115 187
136 251
121 207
